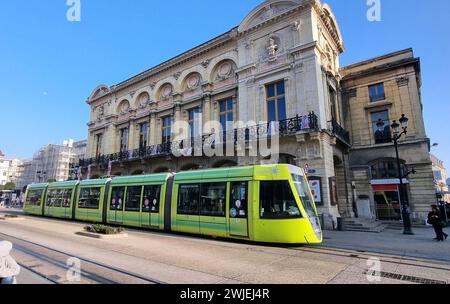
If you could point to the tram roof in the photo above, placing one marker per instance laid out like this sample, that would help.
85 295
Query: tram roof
38 186
93 182
141 179
69 184
261 171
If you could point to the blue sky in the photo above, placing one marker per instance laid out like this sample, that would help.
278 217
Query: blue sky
49 66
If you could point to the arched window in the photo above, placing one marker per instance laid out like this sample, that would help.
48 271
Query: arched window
386 169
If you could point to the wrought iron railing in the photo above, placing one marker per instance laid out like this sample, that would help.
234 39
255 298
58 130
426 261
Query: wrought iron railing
287 127
339 131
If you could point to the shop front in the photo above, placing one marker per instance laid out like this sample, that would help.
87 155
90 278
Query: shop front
387 200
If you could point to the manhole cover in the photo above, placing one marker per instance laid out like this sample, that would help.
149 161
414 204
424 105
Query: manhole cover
405 278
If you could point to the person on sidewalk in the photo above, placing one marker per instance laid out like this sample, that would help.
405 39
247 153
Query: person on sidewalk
8 267
435 219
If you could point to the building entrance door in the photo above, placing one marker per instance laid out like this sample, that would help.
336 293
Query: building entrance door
387 202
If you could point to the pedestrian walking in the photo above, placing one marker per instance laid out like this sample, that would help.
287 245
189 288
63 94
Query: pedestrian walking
8 267
435 218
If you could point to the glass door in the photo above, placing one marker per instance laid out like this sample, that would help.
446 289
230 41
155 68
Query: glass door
387 204
238 211
115 214
151 206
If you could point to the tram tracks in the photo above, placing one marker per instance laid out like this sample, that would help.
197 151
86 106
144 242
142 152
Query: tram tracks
53 265
364 255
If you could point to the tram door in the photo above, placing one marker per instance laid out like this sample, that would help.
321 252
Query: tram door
49 202
151 206
116 205
238 211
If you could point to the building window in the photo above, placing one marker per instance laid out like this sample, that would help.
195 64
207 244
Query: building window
377 92
226 114
143 135
333 107
98 149
166 129
276 101
381 136
194 122
386 170
124 140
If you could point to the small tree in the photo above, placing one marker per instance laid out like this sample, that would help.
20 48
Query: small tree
10 186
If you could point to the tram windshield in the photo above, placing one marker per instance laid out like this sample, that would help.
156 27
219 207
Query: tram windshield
301 185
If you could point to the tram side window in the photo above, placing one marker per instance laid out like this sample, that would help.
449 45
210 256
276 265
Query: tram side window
57 199
89 198
34 198
213 200
50 198
66 197
277 201
133 201
54 198
238 200
117 196
188 199
152 196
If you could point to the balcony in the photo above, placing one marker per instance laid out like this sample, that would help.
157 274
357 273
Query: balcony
339 132
288 127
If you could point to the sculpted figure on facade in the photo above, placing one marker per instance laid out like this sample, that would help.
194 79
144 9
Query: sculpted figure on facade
144 100
272 49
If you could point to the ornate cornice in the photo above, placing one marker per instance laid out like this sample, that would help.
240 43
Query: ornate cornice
334 32
175 62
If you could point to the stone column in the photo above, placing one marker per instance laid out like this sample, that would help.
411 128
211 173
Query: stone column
131 135
176 117
206 112
152 132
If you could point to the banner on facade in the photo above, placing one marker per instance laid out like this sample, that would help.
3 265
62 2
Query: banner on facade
315 184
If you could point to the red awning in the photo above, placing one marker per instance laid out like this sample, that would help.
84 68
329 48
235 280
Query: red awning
385 188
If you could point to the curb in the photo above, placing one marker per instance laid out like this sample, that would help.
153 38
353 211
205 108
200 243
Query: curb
102 236
11 219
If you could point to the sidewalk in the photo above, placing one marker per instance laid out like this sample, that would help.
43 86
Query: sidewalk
392 241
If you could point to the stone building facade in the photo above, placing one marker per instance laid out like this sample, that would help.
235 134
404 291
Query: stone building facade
382 89
280 64
440 179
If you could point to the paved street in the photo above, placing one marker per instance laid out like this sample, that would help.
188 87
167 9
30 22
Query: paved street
392 241
149 257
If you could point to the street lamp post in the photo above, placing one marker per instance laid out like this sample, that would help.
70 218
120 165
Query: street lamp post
397 134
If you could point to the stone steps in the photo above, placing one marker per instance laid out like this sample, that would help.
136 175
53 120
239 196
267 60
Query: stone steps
363 225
